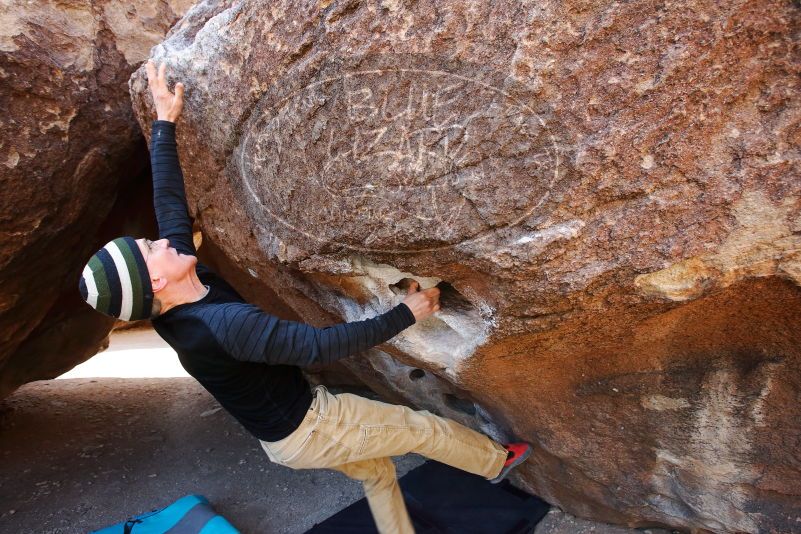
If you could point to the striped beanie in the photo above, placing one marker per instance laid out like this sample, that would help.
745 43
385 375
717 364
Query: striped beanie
116 281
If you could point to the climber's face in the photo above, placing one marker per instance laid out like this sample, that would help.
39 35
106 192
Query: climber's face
164 263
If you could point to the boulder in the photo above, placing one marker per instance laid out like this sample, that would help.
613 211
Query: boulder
607 195
70 146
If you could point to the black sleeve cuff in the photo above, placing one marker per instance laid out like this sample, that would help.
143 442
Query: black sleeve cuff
163 130
405 314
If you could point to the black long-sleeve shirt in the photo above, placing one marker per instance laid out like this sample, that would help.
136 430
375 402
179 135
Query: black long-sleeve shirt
246 358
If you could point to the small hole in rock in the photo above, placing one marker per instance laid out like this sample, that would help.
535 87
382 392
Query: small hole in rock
452 300
417 374
401 286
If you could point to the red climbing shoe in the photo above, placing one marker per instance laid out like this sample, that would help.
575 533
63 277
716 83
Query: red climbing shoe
518 452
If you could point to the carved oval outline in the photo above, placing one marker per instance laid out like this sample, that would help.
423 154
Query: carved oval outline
247 137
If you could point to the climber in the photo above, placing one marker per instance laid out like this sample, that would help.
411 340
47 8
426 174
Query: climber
251 361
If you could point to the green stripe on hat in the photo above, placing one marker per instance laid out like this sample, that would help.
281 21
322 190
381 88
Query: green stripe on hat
136 281
101 281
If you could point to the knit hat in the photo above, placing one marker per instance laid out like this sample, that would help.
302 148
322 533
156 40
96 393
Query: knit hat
116 281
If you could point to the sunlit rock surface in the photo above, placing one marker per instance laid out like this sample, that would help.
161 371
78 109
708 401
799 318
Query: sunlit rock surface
70 154
607 194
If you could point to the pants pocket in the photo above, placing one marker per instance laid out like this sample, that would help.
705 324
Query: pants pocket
318 451
390 440
286 456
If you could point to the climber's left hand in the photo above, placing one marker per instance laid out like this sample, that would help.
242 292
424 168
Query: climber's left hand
168 106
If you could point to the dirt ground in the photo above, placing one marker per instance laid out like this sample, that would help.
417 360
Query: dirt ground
79 454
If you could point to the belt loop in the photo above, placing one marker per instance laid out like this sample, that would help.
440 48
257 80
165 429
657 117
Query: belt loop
322 404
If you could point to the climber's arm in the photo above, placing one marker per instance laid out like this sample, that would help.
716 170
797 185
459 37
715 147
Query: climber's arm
169 196
251 335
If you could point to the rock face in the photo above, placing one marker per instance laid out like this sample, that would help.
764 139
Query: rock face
606 193
70 144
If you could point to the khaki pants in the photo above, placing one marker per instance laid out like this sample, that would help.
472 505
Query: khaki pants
357 436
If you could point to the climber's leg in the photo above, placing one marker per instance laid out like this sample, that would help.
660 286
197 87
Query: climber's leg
349 428
383 493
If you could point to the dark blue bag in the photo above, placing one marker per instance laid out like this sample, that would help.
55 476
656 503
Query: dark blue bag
444 500
188 515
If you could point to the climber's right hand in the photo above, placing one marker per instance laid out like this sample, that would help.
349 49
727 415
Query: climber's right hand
168 106
422 303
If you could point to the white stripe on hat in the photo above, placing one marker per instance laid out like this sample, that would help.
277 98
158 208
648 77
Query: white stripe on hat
91 286
126 308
